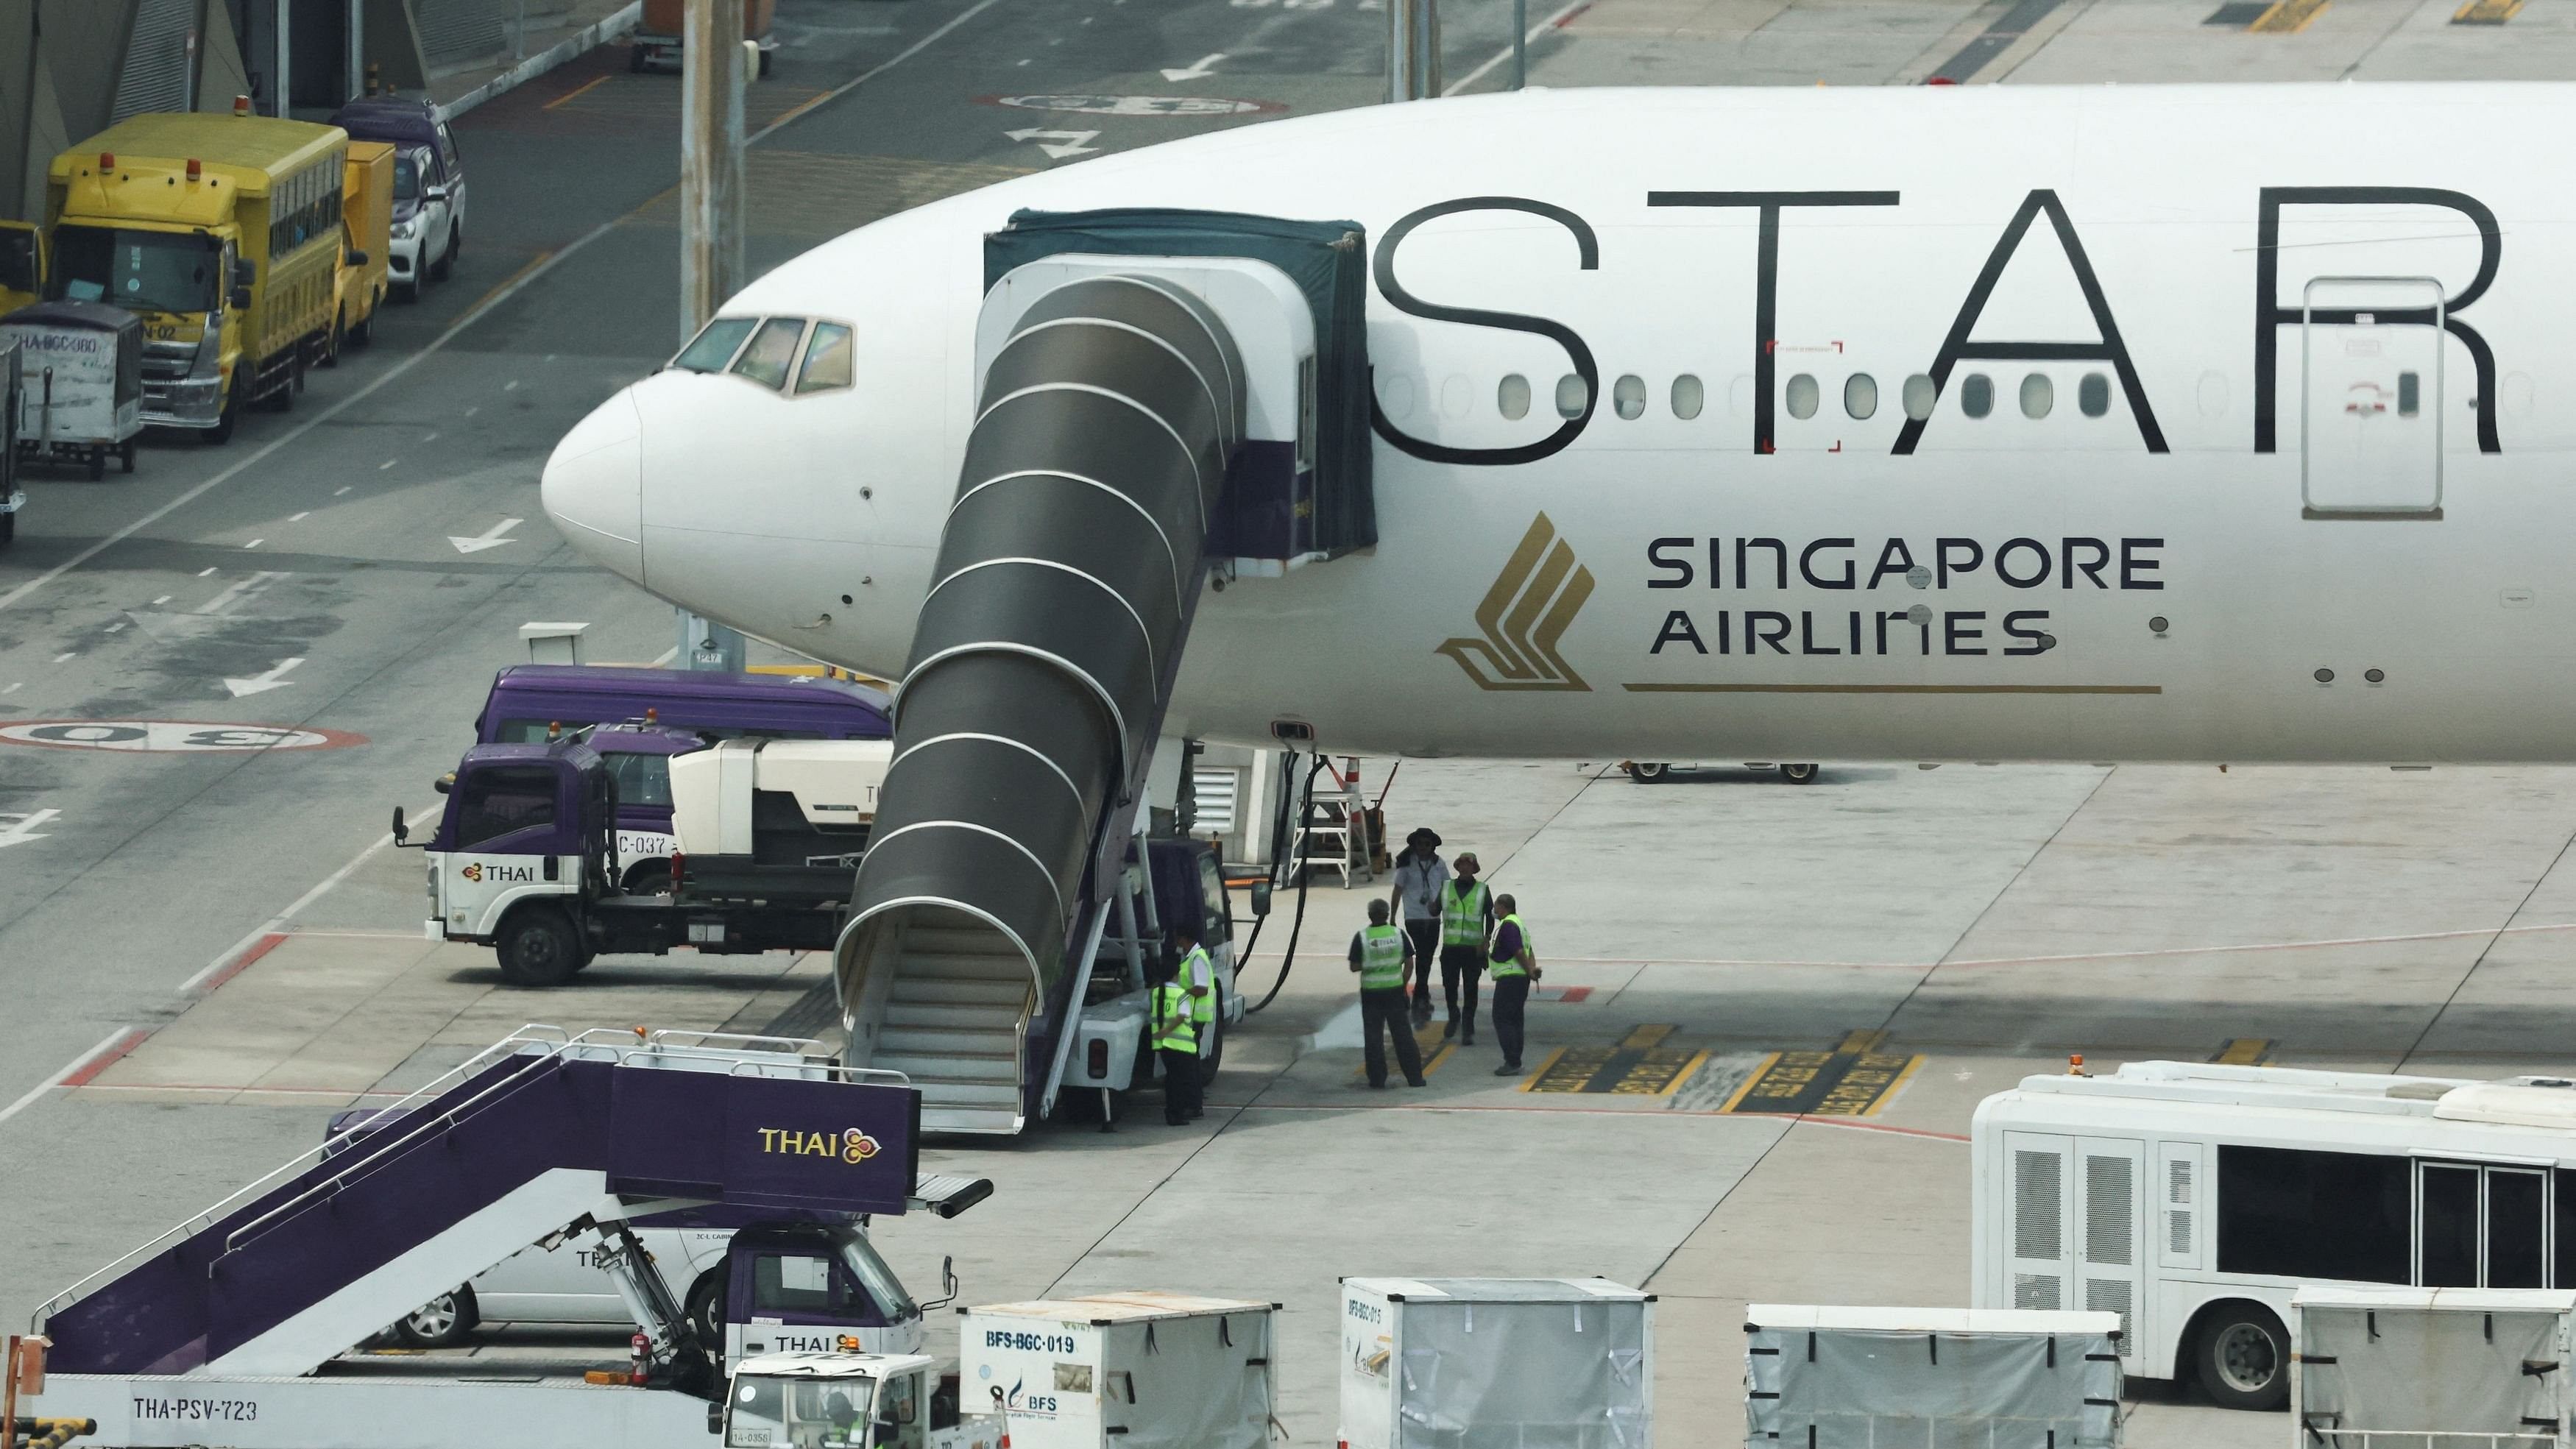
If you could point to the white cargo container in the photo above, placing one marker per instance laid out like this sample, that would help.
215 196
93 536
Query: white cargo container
2433 1368
1120 1371
1564 1362
1842 1378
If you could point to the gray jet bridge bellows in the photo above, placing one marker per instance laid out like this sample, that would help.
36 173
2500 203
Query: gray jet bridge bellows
1066 578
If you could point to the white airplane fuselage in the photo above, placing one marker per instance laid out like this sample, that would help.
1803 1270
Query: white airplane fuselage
2274 463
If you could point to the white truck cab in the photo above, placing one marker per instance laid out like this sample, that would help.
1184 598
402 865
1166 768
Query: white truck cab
842 1401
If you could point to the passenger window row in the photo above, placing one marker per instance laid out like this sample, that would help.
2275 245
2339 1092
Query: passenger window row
769 350
1804 395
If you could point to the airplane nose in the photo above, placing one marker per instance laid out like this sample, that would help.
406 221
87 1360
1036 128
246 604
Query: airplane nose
594 486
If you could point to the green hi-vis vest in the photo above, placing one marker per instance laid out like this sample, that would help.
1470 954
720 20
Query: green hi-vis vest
1462 918
1501 969
1202 1008
1381 958
1173 1029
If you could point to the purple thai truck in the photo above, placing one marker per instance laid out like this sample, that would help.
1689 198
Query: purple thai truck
532 703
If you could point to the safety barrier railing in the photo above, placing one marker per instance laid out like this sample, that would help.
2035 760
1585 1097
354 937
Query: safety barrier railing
2326 1437
540 1043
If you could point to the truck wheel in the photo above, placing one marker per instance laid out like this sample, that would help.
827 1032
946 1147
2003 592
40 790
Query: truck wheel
365 331
651 878
2244 1357
443 1322
125 454
222 431
1799 774
1212 1059
538 947
1647 774
97 464
339 335
764 65
8 525
635 59
706 1309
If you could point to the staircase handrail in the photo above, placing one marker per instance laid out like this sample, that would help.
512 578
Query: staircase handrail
553 1040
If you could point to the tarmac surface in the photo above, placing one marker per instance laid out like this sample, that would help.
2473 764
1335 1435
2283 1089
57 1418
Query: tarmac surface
207 946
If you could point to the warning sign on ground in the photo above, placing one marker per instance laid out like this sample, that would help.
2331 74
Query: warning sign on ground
1823 1084
171 736
1638 1065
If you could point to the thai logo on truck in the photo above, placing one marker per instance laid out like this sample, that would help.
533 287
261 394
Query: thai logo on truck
849 1144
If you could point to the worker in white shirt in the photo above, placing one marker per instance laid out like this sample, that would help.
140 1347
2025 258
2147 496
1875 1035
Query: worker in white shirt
1419 874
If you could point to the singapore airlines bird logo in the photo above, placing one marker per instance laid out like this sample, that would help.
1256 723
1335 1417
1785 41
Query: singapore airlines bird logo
1527 610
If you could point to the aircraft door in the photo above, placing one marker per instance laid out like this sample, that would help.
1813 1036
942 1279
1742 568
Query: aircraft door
2370 415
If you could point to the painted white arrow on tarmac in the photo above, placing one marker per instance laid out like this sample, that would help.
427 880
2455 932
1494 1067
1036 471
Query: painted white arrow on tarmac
488 538
19 829
1059 144
262 683
1199 71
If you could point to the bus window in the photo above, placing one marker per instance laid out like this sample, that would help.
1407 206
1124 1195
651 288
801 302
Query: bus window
2515 1224
2448 1227
2296 1214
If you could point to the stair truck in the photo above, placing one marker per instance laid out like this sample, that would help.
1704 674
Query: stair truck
223 233
233 1329
528 858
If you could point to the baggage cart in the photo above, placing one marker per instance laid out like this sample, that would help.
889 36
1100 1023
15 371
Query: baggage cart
80 394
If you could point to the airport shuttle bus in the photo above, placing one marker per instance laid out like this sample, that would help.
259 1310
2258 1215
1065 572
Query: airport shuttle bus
2195 1201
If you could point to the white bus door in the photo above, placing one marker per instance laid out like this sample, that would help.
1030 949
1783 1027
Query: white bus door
2074 1227
2481 1225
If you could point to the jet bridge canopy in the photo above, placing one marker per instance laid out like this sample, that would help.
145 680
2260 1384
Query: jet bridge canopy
1260 517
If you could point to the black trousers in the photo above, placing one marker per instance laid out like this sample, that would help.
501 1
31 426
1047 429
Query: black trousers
1511 998
1180 1084
1460 966
1383 1011
1425 936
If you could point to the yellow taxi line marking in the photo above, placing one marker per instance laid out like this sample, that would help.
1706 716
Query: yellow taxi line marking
1750 1078
2486 12
1912 1065
595 81
2288 17
1698 1060
1531 1081
1862 1041
1645 1038
2245 1051
505 284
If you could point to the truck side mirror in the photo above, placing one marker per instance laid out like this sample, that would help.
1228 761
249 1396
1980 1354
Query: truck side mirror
444 783
402 832
1260 899
715 1418
245 273
357 257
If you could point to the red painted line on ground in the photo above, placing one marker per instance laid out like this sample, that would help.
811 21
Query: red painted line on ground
107 1056
1569 17
242 962
1639 1114
1856 1125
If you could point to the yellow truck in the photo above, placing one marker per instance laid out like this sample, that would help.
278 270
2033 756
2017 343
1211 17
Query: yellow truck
224 234
367 218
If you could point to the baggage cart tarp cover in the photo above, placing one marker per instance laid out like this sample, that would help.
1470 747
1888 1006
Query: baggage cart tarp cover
2451 1370
1932 1387
1328 260
1478 1374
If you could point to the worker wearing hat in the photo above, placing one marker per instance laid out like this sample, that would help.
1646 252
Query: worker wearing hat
1466 925
1419 874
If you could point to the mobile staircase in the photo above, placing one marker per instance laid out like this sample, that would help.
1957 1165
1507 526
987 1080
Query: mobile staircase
542 1134
1164 398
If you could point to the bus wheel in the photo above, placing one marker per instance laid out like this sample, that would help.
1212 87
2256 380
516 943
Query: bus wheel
1649 773
1799 774
2244 1357
538 947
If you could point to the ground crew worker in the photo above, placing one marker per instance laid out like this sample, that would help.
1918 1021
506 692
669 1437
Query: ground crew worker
1197 975
1174 1038
1466 924
1383 958
1515 966
1419 874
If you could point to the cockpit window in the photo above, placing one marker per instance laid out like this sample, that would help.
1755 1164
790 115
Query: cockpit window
772 348
712 348
827 359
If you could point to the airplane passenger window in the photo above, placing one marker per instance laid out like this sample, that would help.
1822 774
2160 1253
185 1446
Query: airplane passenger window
1977 395
715 344
1803 396
1919 395
1512 396
2093 395
1573 394
1689 396
827 359
1628 395
1860 395
2410 394
771 349
2038 395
